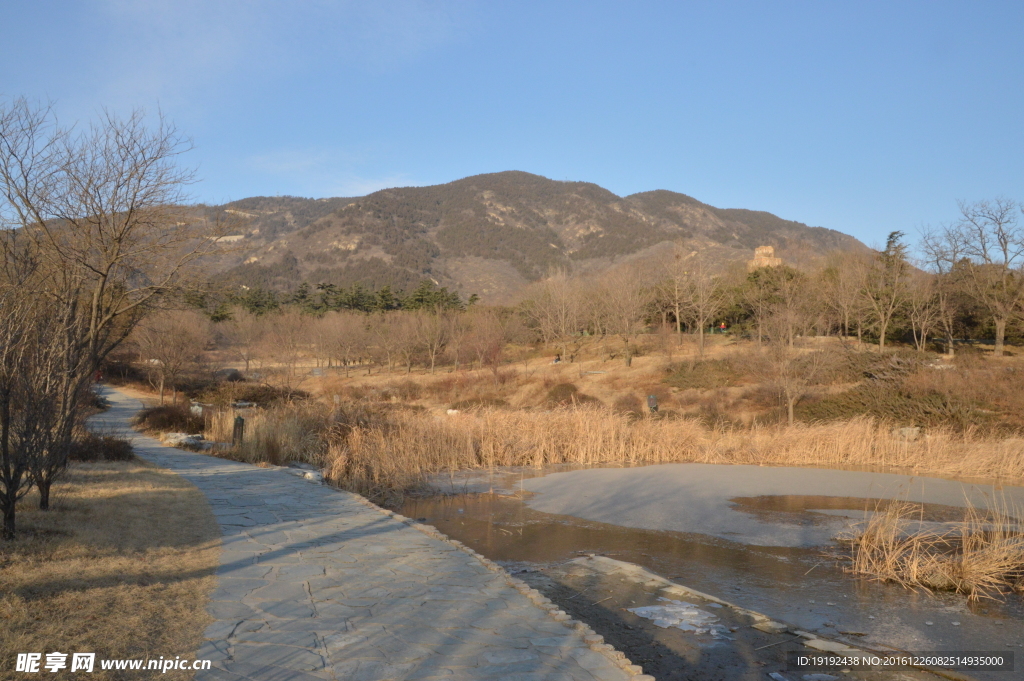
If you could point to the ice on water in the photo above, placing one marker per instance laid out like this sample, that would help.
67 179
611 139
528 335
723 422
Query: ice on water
681 615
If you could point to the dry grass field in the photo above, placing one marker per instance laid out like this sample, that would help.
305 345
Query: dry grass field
382 434
121 566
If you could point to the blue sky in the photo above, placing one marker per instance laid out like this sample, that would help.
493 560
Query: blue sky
865 117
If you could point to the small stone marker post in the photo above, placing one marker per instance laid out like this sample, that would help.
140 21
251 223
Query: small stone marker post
239 431
652 403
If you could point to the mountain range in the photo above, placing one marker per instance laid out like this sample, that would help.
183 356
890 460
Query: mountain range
490 235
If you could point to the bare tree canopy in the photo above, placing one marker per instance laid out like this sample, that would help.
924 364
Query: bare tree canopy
104 209
94 233
986 246
886 284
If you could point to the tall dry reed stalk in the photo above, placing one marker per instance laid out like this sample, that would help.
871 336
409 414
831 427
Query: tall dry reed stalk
291 432
383 454
981 556
400 454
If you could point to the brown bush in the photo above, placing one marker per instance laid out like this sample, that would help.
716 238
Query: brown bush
567 395
479 403
169 419
91 447
628 404
406 391
226 392
705 375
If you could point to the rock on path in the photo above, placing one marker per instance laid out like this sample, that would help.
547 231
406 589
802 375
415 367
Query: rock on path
317 583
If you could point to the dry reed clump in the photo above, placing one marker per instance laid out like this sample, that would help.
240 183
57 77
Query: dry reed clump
383 451
981 556
289 432
387 457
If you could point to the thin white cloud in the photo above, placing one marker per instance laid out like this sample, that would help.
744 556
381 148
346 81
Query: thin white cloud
320 172
184 51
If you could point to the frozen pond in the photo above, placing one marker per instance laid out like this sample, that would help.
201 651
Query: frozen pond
734 502
756 536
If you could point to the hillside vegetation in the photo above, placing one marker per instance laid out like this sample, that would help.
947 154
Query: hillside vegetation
488 234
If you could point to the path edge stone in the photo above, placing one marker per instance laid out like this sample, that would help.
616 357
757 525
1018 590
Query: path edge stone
594 640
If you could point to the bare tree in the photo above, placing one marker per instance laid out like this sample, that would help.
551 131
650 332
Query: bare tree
105 210
405 334
55 392
885 290
285 345
673 288
431 328
777 293
623 301
491 332
842 281
988 242
385 337
702 294
172 343
244 334
789 368
459 328
558 309
943 255
922 306
18 443
101 213
347 336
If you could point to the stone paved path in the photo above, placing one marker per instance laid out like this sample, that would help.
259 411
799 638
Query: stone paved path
316 583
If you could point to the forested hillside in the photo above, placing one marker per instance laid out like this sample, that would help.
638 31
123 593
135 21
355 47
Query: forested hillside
488 234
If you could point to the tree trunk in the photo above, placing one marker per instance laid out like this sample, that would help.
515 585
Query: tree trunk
881 335
679 321
790 403
9 524
1000 335
161 389
44 494
700 340
629 353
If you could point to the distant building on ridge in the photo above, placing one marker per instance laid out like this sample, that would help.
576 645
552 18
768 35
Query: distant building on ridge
764 256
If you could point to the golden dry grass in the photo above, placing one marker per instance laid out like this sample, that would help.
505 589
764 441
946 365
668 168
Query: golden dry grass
386 453
981 556
122 566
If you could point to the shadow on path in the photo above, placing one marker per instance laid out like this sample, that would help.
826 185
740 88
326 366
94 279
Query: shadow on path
316 583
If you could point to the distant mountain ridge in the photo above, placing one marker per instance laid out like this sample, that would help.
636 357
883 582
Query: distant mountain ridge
490 234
